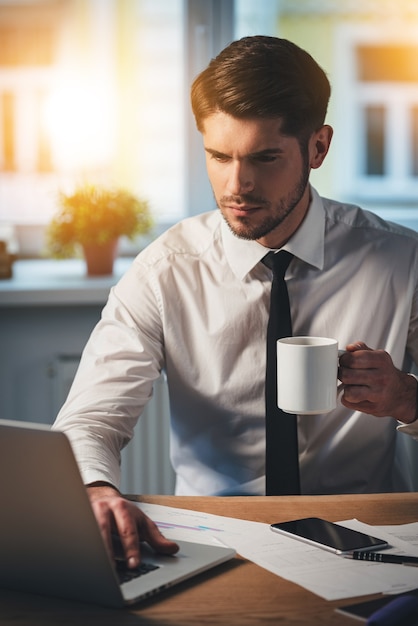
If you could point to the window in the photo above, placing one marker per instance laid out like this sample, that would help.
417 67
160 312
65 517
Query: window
378 96
91 90
414 141
374 140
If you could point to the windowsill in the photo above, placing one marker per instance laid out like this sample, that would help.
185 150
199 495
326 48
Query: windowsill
44 282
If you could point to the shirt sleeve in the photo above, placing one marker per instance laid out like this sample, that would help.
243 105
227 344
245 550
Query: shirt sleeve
122 359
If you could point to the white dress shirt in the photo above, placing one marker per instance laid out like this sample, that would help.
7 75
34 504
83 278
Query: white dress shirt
195 303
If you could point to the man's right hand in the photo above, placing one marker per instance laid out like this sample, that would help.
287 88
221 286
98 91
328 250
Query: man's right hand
116 514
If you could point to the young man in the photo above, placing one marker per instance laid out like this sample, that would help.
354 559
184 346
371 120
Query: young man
196 302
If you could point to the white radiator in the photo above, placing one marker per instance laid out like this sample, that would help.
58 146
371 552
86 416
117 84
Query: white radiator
146 466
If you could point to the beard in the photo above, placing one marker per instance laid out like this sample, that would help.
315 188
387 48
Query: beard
245 228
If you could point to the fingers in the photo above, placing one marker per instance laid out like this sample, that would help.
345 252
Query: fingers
366 375
359 345
114 514
150 533
126 528
100 510
373 385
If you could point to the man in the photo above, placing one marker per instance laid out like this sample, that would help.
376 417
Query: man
195 304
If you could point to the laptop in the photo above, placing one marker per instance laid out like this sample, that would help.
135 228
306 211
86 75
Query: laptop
50 542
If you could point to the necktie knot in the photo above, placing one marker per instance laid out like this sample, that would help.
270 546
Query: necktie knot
278 262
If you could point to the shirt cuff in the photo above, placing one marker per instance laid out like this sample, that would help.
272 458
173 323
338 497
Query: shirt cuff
412 428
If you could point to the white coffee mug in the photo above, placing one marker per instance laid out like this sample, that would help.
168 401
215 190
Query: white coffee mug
307 370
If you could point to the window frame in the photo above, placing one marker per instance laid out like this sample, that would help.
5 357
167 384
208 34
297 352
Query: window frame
352 96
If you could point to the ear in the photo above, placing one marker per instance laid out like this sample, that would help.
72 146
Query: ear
319 145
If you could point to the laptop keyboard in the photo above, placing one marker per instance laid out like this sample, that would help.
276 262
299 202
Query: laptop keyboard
126 573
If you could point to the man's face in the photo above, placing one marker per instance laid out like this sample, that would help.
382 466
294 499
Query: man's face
258 175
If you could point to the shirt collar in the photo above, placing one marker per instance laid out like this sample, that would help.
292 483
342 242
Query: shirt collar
306 244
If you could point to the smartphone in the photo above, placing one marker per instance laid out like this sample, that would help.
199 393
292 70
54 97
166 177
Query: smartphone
327 535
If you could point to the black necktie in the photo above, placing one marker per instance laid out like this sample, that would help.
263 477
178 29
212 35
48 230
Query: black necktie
282 460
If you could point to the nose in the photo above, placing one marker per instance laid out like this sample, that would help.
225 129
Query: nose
241 178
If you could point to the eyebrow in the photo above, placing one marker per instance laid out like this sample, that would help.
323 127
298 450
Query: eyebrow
266 152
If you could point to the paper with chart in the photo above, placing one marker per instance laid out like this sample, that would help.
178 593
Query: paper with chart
330 576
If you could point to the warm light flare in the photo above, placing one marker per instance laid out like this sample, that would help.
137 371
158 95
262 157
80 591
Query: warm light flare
79 122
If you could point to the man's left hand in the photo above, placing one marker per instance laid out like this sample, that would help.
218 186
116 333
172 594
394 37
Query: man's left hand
372 384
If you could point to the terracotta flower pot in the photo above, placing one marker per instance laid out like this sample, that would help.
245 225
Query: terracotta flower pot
100 258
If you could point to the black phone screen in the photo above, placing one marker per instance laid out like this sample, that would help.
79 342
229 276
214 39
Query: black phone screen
328 535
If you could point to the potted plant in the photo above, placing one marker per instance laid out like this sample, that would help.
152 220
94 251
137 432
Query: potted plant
92 219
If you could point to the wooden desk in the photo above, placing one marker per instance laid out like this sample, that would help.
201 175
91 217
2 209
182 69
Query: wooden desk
236 593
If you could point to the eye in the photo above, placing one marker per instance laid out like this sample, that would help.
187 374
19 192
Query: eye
264 158
220 158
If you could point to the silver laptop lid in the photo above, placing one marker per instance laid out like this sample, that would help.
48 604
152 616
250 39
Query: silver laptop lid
47 526
50 542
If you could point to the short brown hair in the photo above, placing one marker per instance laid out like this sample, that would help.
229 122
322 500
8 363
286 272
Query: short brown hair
264 77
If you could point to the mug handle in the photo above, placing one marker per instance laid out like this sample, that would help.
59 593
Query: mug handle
340 387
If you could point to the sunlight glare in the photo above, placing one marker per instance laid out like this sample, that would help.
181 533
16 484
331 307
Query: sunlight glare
79 121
